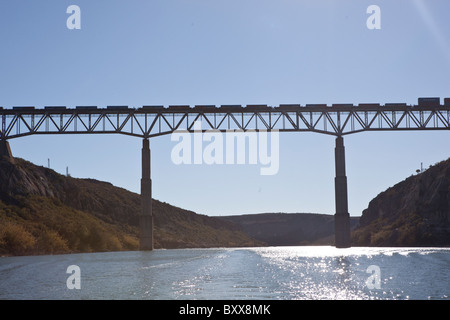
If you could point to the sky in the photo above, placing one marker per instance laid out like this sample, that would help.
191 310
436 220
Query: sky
165 52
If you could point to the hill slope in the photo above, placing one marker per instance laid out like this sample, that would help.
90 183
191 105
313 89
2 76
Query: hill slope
414 212
281 229
44 212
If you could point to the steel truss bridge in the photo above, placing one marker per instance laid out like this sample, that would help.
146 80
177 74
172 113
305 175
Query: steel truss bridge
152 121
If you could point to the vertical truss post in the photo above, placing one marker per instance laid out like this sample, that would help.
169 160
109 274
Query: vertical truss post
146 218
342 217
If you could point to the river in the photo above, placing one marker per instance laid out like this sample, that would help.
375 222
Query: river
264 273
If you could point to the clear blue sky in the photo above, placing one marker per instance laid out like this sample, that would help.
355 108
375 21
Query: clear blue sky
230 52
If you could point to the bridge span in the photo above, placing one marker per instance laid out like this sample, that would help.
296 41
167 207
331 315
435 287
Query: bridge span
151 121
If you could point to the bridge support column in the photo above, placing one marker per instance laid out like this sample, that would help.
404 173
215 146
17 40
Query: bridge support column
146 218
5 150
342 217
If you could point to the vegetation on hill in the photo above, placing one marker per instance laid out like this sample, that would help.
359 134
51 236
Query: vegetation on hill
414 212
43 212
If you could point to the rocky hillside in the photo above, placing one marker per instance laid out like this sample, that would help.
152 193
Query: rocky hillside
414 212
44 212
282 229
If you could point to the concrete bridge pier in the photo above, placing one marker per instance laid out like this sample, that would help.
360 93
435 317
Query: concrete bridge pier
5 150
342 217
146 217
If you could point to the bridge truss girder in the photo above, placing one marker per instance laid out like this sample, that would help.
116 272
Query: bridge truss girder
152 124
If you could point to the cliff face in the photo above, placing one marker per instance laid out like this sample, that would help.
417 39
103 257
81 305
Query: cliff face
414 212
43 212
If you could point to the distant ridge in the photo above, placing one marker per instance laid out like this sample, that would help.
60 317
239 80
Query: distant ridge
43 212
283 229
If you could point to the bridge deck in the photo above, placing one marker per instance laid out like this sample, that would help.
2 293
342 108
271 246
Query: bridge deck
151 121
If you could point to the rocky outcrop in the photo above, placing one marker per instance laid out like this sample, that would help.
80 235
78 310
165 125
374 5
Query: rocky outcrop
42 212
414 212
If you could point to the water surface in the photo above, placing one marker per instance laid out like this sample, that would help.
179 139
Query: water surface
281 273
